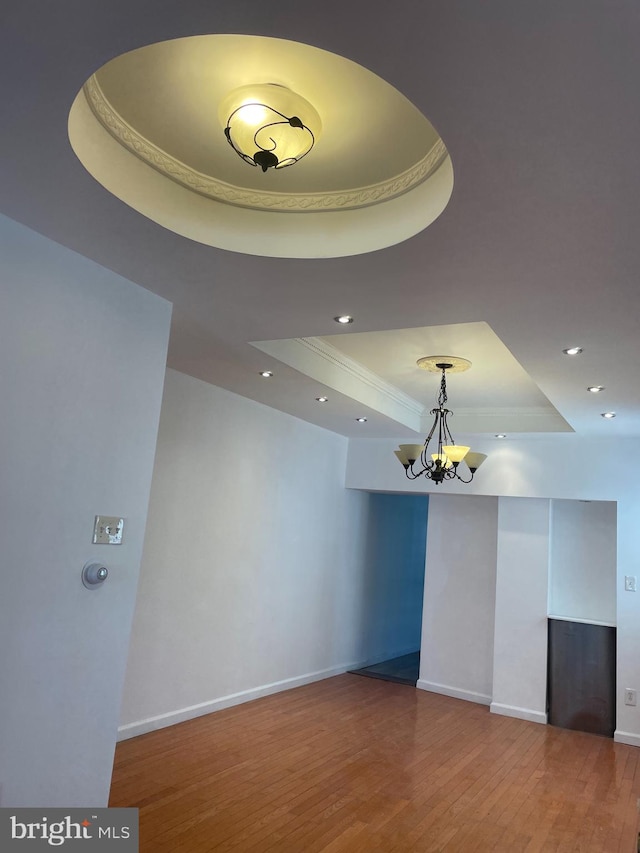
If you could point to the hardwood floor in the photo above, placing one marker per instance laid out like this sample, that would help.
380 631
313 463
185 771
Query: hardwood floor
365 766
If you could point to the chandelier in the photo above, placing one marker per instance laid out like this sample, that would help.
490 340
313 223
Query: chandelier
264 128
443 463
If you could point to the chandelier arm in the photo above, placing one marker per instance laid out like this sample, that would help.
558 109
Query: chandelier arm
426 464
442 432
415 474
447 432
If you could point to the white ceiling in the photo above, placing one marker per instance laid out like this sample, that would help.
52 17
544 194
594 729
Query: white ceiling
537 104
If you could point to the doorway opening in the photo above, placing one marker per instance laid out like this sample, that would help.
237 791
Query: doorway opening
402 670
391 615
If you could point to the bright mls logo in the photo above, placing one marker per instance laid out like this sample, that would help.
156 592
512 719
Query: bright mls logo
86 829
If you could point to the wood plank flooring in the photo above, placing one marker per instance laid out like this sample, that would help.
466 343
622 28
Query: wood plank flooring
357 765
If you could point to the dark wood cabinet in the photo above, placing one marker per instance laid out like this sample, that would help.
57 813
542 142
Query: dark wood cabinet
581 692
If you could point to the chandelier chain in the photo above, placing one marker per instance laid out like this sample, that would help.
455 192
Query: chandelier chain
442 396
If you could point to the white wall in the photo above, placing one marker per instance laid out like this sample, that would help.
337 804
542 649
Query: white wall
582 570
83 355
520 647
583 469
253 576
459 597
394 581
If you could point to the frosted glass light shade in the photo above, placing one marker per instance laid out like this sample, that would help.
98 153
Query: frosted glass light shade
456 452
255 119
474 460
412 451
402 457
447 463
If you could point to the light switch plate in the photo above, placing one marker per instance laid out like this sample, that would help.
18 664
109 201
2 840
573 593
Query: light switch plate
630 583
107 530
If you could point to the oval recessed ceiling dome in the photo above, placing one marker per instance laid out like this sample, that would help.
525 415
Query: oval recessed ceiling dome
149 126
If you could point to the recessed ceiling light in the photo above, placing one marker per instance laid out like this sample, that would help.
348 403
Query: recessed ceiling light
266 374
572 351
344 319
595 389
501 435
607 415
322 399
361 420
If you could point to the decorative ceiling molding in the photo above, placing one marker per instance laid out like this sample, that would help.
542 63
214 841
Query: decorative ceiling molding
361 373
320 360
326 364
217 189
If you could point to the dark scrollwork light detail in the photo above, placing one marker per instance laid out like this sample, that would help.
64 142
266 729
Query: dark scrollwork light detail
443 463
266 157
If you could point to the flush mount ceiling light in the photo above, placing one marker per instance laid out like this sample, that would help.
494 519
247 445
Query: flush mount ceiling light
572 351
361 420
608 415
266 374
344 319
595 389
322 399
274 101
444 462
269 125
501 435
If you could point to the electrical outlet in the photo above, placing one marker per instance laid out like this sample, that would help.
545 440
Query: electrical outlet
107 530
629 583
629 696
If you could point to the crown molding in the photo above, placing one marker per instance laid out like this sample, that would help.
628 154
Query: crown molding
353 368
321 361
219 190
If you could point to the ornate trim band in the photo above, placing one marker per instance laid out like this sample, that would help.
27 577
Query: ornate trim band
214 188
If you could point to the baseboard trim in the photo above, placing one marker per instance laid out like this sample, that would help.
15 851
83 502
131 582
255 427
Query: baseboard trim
626 737
519 713
454 692
162 721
